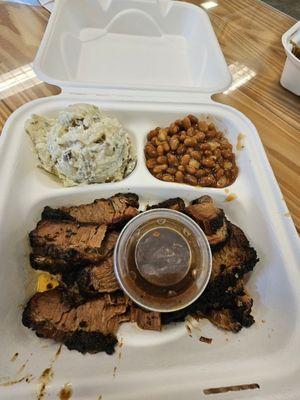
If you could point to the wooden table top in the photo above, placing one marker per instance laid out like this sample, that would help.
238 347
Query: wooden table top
250 36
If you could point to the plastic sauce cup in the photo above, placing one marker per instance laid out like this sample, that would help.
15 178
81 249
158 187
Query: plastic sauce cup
162 260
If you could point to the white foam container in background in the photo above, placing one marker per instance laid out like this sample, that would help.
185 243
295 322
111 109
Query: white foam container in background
290 78
96 51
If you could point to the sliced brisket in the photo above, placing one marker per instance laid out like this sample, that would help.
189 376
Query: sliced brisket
210 218
115 211
88 327
233 318
86 310
236 256
99 278
62 246
225 301
150 320
176 204
50 264
91 342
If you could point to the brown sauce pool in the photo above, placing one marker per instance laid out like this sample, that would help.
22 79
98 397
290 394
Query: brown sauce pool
162 256
66 392
163 260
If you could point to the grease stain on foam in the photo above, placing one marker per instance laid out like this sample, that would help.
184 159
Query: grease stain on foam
14 357
189 331
29 378
231 197
66 392
99 397
226 389
4 378
287 214
21 369
12 382
44 380
240 144
57 353
119 356
47 375
226 190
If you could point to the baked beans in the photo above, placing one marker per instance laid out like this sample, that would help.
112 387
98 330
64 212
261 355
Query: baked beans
191 151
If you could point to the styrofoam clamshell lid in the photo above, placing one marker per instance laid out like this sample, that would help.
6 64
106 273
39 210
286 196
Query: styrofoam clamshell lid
131 45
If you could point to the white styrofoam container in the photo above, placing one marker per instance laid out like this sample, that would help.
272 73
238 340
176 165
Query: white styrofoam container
152 365
290 78
130 46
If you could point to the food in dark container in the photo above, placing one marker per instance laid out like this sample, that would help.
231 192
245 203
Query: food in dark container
295 49
85 310
191 151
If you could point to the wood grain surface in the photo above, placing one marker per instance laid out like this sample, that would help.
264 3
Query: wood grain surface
249 33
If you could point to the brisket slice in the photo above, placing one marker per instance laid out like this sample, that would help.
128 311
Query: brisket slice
236 257
225 301
115 211
150 320
91 342
210 219
235 317
86 283
232 310
67 239
46 263
88 327
176 204
61 247
98 278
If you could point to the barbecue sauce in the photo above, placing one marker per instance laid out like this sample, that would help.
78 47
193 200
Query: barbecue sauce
163 260
162 256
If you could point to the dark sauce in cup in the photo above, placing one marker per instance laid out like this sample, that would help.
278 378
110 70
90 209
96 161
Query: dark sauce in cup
162 256
162 261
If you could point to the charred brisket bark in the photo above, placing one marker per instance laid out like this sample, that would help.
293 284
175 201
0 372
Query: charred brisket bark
176 204
210 218
86 327
114 211
99 278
